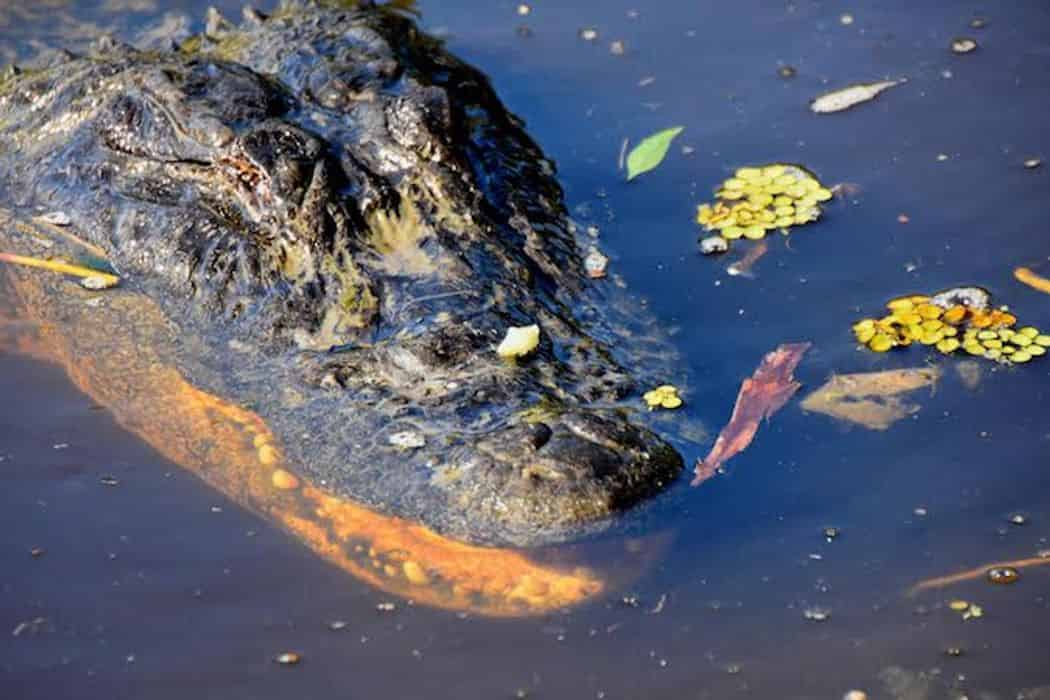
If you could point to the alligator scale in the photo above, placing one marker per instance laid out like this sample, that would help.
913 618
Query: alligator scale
324 224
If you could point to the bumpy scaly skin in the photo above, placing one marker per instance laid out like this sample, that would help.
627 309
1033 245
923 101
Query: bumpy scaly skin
340 219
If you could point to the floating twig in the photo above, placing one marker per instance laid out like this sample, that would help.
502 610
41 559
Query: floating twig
65 268
975 573
1033 280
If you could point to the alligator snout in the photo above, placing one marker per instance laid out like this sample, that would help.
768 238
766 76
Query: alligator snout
565 473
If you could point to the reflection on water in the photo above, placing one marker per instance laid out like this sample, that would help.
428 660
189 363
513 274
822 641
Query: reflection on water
723 613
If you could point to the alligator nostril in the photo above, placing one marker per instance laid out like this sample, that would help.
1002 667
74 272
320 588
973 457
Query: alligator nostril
539 435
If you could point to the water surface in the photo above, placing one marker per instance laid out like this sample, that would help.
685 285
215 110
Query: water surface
158 587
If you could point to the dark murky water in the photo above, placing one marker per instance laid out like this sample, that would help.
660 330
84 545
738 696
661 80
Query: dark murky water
158 587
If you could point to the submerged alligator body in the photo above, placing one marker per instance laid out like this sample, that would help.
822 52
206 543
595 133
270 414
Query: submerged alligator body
337 221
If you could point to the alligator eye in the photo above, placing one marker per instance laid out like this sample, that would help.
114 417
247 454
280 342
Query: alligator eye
130 126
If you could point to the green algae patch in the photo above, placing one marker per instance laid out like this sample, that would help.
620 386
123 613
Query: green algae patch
760 199
953 322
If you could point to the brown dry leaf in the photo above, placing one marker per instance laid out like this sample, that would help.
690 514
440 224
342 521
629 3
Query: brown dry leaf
871 399
760 396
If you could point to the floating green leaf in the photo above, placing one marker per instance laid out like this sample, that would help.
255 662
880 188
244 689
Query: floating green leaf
650 152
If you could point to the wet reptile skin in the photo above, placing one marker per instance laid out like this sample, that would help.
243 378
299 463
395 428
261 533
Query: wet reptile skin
335 221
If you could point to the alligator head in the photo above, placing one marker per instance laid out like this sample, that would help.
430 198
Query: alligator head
341 220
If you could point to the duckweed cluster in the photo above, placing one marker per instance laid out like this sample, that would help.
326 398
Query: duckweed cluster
757 200
665 396
981 332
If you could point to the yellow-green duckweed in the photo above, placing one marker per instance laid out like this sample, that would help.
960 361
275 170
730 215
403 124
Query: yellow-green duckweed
665 396
757 200
939 321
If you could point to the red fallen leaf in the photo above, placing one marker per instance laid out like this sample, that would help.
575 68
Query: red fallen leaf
765 393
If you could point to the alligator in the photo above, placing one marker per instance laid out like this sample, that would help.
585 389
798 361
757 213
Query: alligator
323 224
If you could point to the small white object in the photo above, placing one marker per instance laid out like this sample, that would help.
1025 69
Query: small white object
407 439
519 341
845 98
55 218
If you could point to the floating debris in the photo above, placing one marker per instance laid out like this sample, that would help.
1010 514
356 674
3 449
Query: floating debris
954 652
978 23
665 396
855 695
742 267
108 480
958 605
957 319
651 151
979 572
618 48
37 552
1032 163
55 266
762 395
817 614
759 199
288 658
97 283
713 245
1003 575
848 97
871 399
595 263
973 612
787 72
969 373
407 440
519 341
846 19
524 10
588 33
32 626
386 607
1033 280
1018 519
831 533
963 44
338 625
